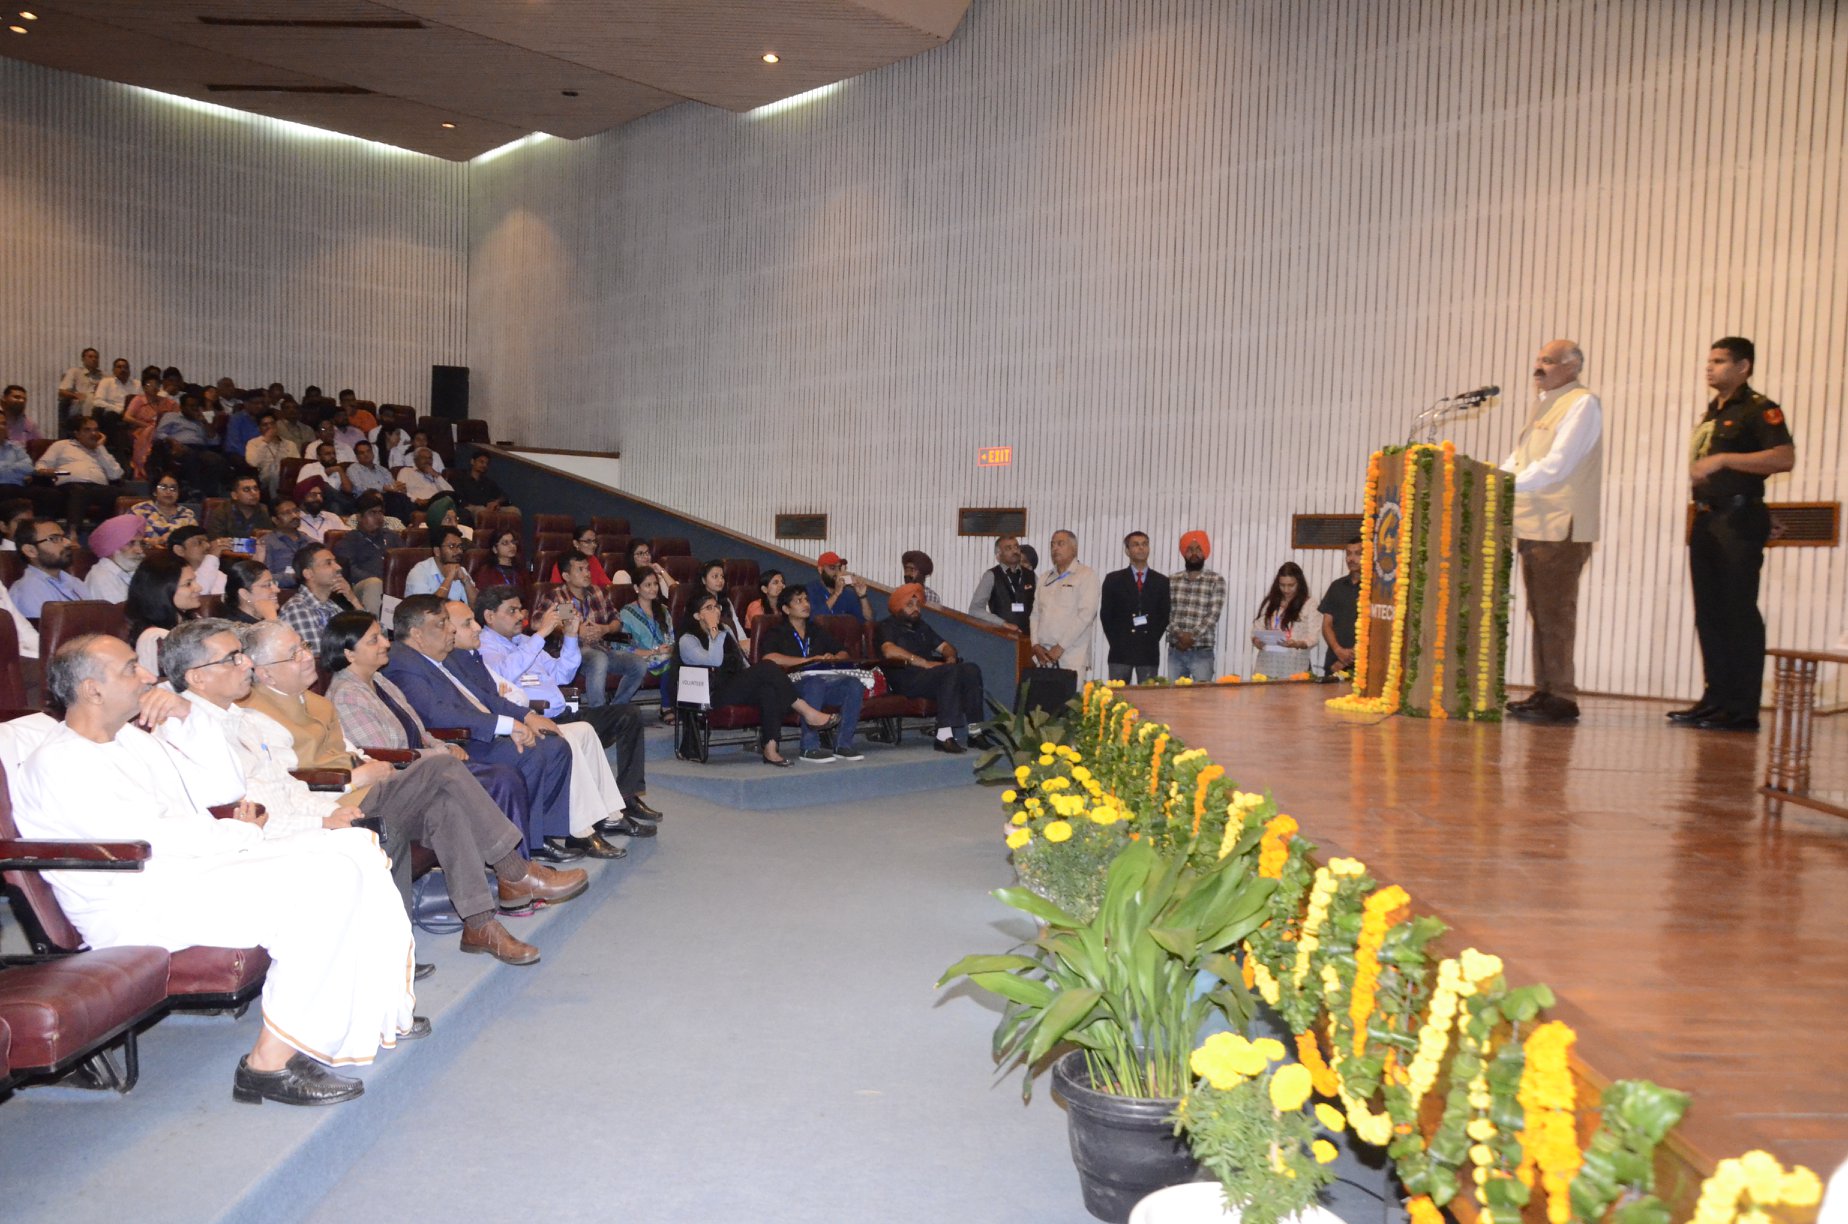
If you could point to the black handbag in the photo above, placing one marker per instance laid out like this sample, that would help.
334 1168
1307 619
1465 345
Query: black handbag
431 909
1047 688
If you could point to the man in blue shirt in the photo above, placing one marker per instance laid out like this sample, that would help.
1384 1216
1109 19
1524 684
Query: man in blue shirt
442 573
837 592
521 658
47 552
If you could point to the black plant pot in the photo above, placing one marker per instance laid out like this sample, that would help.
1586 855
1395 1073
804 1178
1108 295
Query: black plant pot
1125 1147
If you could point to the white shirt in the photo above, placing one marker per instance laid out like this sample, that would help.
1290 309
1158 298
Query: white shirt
426 578
405 455
419 487
233 753
335 479
342 452
1572 441
75 465
112 394
210 578
84 383
28 636
316 526
108 581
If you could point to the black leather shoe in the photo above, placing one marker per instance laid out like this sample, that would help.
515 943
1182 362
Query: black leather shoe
1721 721
630 827
423 971
596 847
1526 703
640 808
1692 714
302 1081
949 745
420 1028
556 850
1548 710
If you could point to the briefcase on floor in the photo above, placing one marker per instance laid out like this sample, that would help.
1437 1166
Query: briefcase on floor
1047 688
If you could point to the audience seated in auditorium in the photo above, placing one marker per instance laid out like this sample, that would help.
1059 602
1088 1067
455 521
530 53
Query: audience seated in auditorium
118 548
163 514
291 428
364 475
769 590
346 434
837 592
1340 609
499 732
359 412
15 515
19 427
324 906
113 391
815 662
315 518
503 566
266 451
433 800
163 592
595 801
194 547
1133 609
918 567
641 558
477 490
1285 629
442 572
733 681
325 473
325 433
323 594
712 582
649 628
442 513
1196 596
1004 596
15 468
388 441
1065 609
930 668
404 457
519 658
77 386
277 549
242 426
251 593
584 543
362 551
47 551
242 517
85 471
599 633
143 414
183 445
423 482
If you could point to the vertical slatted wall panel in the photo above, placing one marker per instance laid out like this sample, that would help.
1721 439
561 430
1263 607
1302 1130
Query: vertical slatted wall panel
1194 259
225 245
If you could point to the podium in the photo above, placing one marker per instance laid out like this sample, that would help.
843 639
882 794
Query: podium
1431 638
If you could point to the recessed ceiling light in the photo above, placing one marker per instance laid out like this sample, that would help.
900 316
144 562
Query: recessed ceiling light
771 57
17 29
449 125
30 16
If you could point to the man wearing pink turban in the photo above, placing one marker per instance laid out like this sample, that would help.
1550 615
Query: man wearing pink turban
1197 596
118 547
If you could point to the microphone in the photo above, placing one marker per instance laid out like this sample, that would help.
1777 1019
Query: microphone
1477 396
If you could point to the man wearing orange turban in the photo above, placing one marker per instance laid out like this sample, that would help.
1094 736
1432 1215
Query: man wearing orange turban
1197 596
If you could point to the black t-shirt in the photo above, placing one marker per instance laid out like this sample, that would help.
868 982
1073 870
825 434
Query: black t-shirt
1746 423
1342 605
782 640
916 637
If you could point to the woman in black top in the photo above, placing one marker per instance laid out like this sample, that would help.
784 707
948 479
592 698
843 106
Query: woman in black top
251 594
706 643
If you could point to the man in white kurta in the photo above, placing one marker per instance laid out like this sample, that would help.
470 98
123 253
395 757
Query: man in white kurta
322 904
1065 609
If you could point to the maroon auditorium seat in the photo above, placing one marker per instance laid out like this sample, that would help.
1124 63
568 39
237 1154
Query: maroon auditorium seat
554 522
63 622
60 1013
12 567
604 525
471 432
680 567
551 541
398 565
671 546
12 672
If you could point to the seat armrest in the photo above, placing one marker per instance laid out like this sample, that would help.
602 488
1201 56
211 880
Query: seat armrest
323 779
572 692
29 854
391 756
448 734
228 811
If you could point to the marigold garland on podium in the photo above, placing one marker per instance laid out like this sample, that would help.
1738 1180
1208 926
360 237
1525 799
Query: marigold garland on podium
1437 555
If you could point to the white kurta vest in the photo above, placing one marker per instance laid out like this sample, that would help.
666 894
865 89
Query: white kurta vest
1569 510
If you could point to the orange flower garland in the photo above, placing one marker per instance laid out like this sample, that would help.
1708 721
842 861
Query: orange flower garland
1486 638
1207 777
1369 507
1376 916
1129 721
1309 1054
1549 1140
1161 743
1274 847
1445 524
1423 1211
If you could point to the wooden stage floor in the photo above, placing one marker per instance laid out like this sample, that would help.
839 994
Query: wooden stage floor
1625 862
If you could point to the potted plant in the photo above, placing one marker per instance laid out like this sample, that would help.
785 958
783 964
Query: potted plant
1248 1122
1121 988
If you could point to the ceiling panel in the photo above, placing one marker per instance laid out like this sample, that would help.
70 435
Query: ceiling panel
496 69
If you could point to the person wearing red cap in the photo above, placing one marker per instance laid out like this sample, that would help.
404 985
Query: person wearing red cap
1197 596
837 592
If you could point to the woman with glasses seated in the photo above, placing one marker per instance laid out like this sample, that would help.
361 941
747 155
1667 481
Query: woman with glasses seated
163 592
651 636
706 643
251 593
503 567
163 514
584 541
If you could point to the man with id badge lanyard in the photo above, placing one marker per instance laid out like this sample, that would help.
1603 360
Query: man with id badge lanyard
1134 611
1004 596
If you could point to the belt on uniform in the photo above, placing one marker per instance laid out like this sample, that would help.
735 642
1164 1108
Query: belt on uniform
1735 502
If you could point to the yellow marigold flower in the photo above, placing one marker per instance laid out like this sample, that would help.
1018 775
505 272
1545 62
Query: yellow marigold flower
1260 677
1058 831
1764 1177
1481 1155
1270 1047
1330 1117
1018 818
1185 680
1036 804
1046 748
1081 773
1801 1188
1103 816
1324 1151
1045 759
1018 838
1021 774
1480 966
1481 1130
1290 1087
1008 796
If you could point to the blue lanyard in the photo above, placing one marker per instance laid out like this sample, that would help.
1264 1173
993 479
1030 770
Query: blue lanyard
801 642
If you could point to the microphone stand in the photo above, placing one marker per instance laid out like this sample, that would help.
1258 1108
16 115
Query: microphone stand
1428 418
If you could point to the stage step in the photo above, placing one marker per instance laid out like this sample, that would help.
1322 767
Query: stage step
235 1164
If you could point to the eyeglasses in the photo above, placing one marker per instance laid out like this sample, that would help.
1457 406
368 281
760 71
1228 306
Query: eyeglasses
233 657
167 488
301 648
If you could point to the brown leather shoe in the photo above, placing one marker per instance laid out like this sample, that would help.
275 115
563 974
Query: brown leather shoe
547 884
496 941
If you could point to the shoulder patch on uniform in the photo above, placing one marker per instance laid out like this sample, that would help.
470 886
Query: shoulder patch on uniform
1774 416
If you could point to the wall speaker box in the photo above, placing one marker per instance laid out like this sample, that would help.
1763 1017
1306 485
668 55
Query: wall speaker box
449 392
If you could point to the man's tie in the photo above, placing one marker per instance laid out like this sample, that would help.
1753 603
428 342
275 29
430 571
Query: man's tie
412 736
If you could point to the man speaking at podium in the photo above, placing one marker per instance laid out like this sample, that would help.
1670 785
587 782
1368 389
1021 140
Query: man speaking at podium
1558 468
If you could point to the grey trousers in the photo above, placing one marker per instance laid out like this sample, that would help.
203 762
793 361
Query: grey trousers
436 801
1550 571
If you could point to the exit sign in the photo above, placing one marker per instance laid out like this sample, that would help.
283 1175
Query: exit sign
994 456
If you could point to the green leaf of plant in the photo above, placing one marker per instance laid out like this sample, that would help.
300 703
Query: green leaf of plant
1030 991
1065 1013
1182 942
1029 902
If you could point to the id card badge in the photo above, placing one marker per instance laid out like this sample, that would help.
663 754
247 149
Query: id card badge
1020 607
1139 620
530 680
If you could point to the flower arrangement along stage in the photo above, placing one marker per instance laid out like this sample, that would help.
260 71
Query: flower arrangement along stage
1437 537
1439 1060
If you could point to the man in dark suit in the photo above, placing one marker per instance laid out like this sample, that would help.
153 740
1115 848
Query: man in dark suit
500 733
1134 612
